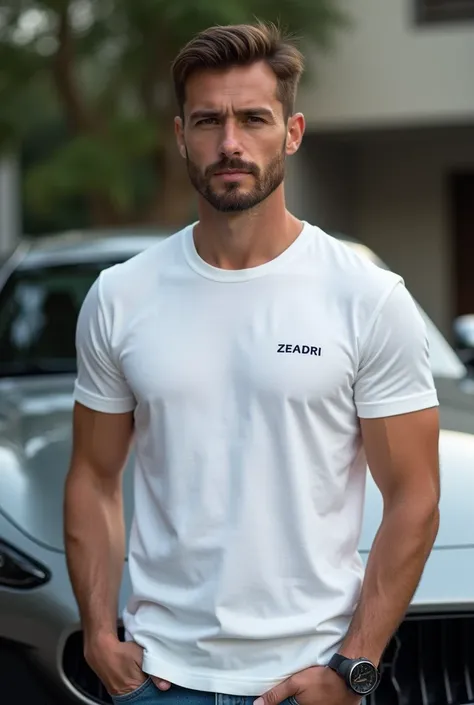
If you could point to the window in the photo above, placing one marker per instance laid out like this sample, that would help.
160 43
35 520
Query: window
38 315
444 10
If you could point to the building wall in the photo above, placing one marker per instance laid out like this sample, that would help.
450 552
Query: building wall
386 70
403 211
390 191
319 183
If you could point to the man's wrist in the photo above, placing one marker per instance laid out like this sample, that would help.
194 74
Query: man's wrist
354 649
97 641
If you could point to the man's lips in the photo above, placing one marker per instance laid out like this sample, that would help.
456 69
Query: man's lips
225 172
230 175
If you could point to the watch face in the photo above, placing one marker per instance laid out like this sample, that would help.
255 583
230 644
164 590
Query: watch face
364 678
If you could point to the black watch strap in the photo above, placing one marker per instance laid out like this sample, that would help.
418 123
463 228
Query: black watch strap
336 661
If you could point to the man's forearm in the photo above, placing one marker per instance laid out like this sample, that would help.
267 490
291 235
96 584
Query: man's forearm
95 548
396 562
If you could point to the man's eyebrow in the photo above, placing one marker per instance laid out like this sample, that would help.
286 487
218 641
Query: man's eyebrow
257 111
203 114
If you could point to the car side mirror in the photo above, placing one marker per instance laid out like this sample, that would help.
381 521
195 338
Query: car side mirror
464 339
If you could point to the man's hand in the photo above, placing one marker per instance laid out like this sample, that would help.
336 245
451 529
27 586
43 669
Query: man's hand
119 666
313 686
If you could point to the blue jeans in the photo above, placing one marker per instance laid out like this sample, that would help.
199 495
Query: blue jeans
149 694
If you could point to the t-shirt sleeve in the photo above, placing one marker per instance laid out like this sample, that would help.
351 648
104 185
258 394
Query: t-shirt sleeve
394 375
99 384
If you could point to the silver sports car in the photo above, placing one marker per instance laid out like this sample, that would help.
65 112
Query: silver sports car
430 660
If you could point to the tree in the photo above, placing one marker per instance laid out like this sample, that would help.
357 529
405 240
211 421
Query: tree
101 67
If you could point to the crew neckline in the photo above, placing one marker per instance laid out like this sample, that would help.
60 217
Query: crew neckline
209 271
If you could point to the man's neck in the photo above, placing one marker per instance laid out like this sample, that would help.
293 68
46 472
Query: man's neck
247 239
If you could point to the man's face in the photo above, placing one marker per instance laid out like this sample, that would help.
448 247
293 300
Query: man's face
235 137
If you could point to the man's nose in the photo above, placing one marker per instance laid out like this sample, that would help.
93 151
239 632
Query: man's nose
230 146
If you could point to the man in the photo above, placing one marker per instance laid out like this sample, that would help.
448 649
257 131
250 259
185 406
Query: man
257 363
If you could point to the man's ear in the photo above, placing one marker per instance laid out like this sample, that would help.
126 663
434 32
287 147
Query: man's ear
179 132
295 132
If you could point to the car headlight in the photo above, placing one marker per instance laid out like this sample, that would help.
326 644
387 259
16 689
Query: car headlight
20 571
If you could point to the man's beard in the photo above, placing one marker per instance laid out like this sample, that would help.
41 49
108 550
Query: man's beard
231 199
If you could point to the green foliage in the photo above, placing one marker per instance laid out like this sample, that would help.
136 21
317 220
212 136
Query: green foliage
89 164
105 73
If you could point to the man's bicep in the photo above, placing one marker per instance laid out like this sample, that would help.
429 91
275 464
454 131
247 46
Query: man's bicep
101 442
402 454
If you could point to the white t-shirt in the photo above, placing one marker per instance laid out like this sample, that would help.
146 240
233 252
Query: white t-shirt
250 474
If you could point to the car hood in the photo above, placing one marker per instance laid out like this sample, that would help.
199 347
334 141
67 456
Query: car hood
35 449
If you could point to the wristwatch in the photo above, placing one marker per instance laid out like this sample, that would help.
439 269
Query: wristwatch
359 674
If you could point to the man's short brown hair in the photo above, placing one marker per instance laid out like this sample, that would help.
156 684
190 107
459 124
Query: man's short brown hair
223 47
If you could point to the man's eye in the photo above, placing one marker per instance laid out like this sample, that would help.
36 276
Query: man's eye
207 121
255 119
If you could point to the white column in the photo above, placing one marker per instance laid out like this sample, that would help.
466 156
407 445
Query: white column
10 203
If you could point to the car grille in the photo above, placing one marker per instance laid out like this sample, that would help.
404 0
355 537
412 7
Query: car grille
429 661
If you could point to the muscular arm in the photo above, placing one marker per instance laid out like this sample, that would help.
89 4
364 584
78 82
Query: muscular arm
402 453
93 516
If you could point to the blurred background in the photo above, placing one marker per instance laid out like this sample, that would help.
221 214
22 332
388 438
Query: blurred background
86 112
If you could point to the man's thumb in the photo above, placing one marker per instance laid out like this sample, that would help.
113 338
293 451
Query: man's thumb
163 685
276 695
160 683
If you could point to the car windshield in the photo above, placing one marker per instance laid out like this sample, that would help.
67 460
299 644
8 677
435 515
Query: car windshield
38 313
